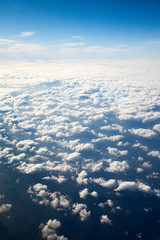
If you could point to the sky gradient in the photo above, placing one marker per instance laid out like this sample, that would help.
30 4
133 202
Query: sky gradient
79 29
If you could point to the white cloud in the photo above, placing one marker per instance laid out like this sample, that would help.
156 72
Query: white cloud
5 207
94 194
131 185
38 187
59 179
117 166
147 164
110 203
111 183
105 219
73 44
139 170
17 157
143 187
81 209
6 41
153 42
142 132
66 108
116 152
154 154
81 179
26 34
78 37
126 185
83 193
49 230
157 127
30 167
25 144
96 166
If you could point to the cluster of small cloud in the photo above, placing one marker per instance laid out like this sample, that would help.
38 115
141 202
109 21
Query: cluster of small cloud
43 196
49 230
81 209
68 119
83 193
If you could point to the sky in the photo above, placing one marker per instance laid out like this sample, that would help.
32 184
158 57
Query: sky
53 29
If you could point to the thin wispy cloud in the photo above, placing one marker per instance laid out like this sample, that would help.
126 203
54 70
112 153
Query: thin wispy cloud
153 42
79 37
73 44
6 41
26 34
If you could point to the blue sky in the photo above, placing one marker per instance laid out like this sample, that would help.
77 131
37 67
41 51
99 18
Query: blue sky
79 29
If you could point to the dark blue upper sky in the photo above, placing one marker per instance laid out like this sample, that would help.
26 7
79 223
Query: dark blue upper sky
131 25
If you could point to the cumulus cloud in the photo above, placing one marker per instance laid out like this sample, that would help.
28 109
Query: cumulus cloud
43 196
154 154
157 127
17 157
117 166
83 193
59 179
81 209
5 207
111 183
25 144
94 194
49 230
81 179
105 219
116 152
126 185
131 185
142 132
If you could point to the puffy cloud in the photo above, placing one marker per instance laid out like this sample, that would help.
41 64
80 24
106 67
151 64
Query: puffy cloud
154 154
81 179
17 157
43 196
30 167
117 166
83 193
94 194
147 165
110 203
157 127
105 219
5 207
126 185
59 179
96 166
111 183
139 170
38 187
25 144
49 230
116 152
130 185
142 132
81 209
143 187
84 146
